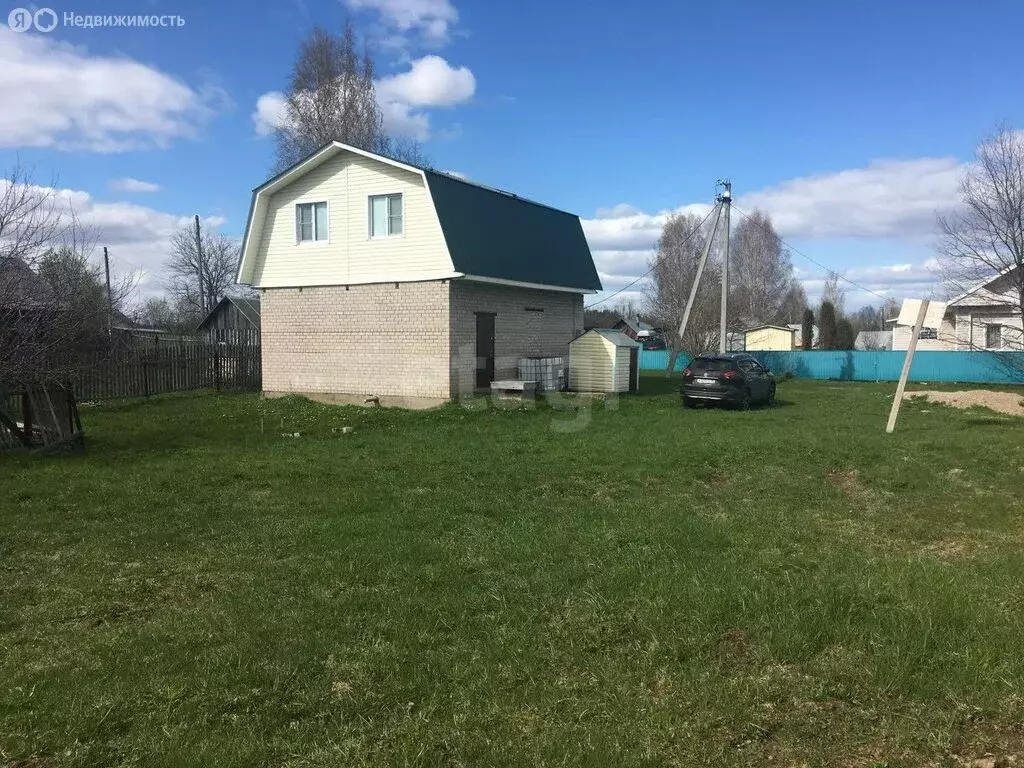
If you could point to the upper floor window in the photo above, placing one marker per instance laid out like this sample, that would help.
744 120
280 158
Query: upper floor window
385 215
993 336
310 222
929 333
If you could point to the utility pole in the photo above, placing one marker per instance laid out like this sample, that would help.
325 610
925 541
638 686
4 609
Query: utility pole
110 297
725 199
700 271
199 265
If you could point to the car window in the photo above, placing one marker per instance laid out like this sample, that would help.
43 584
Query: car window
710 364
748 366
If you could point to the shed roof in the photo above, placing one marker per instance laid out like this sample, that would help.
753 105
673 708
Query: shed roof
776 327
247 308
618 338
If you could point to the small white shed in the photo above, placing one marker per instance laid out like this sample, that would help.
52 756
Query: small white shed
604 361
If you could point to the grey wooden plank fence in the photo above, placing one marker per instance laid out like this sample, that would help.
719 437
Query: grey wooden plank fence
180 366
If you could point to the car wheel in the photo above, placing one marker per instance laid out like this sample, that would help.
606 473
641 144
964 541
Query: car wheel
771 395
745 400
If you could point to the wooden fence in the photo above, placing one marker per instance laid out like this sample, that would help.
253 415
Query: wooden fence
140 370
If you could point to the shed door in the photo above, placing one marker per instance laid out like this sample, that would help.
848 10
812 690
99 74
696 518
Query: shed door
484 349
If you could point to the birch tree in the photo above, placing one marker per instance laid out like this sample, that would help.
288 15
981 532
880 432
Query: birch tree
331 97
984 237
674 268
761 284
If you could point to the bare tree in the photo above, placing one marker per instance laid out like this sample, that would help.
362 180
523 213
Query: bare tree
54 307
331 97
219 267
984 237
674 269
835 293
30 216
761 274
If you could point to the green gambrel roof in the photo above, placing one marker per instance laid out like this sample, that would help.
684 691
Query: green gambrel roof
496 234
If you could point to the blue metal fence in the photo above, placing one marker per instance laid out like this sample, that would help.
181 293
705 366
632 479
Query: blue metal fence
975 367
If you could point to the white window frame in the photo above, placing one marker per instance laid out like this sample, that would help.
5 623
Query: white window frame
1001 335
298 233
369 216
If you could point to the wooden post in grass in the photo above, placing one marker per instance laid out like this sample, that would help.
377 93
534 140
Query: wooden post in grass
914 336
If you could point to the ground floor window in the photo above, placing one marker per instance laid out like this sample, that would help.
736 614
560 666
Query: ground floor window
993 336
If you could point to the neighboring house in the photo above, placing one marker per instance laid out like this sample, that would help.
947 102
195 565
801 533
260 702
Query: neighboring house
235 320
21 289
769 337
798 338
873 341
379 278
986 318
635 328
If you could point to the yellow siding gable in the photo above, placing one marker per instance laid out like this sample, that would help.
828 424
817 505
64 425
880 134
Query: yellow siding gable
346 182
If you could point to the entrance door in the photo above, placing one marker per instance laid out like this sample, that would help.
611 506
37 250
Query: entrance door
484 350
634 365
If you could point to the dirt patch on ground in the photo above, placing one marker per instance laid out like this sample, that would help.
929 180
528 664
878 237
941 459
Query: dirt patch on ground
848 480
1010 403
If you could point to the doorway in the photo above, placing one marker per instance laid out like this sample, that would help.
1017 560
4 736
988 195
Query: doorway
634 369
484 349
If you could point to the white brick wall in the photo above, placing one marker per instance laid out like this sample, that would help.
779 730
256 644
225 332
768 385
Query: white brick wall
416 340
365 339
518 331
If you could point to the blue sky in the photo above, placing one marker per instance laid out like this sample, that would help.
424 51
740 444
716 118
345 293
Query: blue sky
849 123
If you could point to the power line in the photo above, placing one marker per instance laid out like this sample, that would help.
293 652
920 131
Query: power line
829 270
649 271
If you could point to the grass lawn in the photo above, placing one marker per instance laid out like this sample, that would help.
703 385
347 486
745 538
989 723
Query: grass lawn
633 586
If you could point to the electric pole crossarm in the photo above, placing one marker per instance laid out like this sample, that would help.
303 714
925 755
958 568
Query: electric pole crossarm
700 271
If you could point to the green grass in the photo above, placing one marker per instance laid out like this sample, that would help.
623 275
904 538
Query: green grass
638 586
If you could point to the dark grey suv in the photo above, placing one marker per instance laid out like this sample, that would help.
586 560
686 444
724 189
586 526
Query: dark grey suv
735 378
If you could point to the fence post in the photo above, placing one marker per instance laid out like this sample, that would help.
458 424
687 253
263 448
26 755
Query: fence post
145 376
216 365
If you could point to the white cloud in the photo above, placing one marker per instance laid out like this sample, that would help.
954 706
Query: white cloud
623 227
401 120
431 19
270 113
888 198
894 200
138 237
618 211
403 98
430 82
128 184
58 95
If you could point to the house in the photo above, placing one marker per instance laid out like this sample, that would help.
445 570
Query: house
235 320
798 339
635 328
985 318
379 278
604 360
769 337
988 316
873 341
